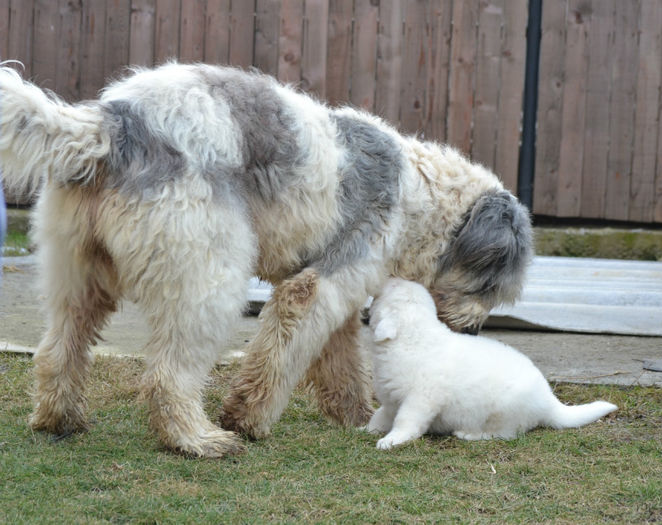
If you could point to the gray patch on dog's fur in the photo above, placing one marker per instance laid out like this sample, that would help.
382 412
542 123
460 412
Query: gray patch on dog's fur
269 136
493 245
138 159
369 181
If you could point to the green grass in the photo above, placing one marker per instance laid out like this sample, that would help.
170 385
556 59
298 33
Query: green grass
16 243
311 470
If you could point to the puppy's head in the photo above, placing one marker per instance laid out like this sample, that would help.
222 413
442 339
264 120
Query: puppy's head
399 302
485 262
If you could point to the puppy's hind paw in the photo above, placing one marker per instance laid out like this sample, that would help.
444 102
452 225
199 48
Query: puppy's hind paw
472 436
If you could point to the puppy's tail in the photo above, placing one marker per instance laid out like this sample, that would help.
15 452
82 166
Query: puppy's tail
564 416
43 137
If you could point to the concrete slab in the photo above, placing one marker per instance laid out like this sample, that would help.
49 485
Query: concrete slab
572 357
588 295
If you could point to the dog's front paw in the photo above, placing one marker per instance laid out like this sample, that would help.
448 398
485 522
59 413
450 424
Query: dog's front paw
235 417
58 423
216 443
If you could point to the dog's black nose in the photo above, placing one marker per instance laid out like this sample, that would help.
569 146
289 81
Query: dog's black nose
471 330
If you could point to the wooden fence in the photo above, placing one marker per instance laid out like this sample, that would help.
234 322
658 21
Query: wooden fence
599 142
448 70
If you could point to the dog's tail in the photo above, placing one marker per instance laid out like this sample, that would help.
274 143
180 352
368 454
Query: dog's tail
564 416
43 137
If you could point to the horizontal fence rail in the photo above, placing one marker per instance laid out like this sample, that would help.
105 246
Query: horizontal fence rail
448 70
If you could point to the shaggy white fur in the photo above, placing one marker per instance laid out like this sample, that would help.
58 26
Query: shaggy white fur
428 378
180 182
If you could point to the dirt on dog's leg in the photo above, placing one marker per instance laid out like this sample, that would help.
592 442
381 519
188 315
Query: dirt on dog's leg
81 291
340 379
62 360
296 324
173 386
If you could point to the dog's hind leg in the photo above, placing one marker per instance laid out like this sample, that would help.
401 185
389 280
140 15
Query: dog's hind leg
81 290
190 277
181 352
296 324
339 377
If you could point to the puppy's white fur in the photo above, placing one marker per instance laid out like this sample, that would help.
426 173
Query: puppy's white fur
428 378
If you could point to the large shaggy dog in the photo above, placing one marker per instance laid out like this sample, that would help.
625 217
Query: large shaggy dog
179 183
428 378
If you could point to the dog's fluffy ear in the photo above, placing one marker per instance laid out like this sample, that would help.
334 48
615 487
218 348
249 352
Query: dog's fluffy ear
384 331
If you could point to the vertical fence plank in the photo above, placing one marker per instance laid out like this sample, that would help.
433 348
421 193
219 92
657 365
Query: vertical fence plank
569 182
67 79
289 41
649 80
20 33
338 61
217 32
548 141
511 92
463 66
364 54
143 28
242 28
314 48
118 19
191 31
414 66
267 22
439 38
4 29
389 60
596 113
657 210
93 39
166 39
486 98
621 109
45 43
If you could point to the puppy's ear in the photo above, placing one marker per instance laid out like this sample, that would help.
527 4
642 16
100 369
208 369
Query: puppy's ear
384 331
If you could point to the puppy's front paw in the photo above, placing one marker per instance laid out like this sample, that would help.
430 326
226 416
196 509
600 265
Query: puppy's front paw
396 437
391 440
386 443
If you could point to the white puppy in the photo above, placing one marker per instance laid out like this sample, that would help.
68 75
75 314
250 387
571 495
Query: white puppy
428 378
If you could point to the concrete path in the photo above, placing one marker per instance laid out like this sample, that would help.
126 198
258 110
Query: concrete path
582 358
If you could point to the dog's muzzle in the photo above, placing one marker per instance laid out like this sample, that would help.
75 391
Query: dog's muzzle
471 330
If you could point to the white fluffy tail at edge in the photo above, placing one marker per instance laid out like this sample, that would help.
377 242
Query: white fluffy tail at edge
564 416
43 137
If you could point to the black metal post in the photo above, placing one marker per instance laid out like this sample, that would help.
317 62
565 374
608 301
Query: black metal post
527 153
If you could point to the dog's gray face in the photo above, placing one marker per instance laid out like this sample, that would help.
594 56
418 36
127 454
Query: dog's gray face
485 262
